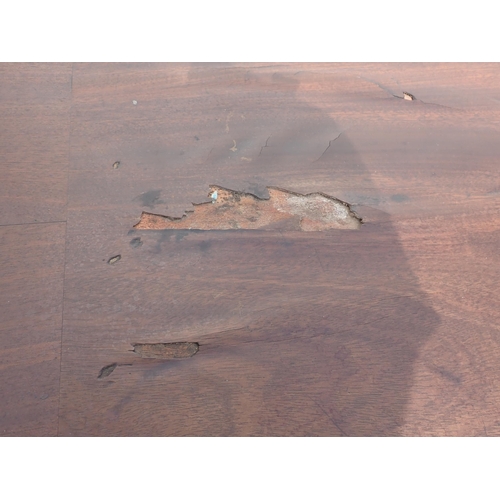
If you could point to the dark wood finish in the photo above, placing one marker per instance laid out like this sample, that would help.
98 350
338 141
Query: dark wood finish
391 329
35 102
31 276
30 84
318 334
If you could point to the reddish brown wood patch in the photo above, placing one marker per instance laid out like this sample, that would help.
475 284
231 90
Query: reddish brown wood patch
284 209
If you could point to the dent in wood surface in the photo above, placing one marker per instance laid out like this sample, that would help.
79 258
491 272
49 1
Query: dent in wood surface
238 210
114 259
107 370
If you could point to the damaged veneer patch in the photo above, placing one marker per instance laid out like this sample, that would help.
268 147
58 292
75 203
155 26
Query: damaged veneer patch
174 350
284 210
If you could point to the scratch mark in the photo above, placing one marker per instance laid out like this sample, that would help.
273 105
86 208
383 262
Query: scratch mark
319 260
227 121
256 67
332 420
385 89
209 154
234 148
410 97
328 147
440 105
265 145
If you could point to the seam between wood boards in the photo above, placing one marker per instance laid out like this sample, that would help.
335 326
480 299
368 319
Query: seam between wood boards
65 246
33 223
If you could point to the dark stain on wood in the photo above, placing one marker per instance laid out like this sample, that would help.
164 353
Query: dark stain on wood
106 371
136 242
150 199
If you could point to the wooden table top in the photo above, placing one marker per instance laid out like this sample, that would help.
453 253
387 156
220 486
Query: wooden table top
282 328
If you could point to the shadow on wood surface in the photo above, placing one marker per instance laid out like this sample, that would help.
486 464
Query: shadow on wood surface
298 333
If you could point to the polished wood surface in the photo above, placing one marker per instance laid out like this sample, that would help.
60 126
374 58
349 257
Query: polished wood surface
32 266
390 329
35 100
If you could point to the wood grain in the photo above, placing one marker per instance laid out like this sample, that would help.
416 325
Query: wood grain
35 105
31 274
388 330
299 335
35 102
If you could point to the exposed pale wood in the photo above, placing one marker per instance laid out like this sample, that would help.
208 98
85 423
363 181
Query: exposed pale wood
281 211
174 350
